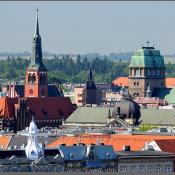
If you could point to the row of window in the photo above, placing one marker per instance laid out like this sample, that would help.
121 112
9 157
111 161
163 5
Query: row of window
159 168
152 72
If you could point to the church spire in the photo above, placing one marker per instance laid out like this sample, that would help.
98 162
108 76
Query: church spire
36 60
90 75
37 25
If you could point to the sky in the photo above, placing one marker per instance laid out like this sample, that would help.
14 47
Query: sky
86 27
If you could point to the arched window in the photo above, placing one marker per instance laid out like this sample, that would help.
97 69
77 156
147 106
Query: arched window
29 78
33 78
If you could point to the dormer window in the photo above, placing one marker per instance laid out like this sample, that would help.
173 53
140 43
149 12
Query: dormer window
108 155
71 156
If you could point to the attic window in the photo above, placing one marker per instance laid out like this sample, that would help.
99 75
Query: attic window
108 155
71 156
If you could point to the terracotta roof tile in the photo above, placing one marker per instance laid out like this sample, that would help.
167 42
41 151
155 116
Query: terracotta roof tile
4 141
52 107
136 142
169 82
166 145
121 81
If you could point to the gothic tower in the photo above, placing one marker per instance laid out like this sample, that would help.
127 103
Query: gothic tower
91 95
36 73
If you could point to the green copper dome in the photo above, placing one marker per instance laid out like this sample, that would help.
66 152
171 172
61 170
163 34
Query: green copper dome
147 57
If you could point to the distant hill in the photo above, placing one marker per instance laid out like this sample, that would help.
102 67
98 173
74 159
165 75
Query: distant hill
122 56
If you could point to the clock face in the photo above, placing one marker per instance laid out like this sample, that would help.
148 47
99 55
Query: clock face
31 91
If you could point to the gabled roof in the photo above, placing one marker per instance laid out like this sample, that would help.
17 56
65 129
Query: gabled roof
166 145
46 108
99 115
136 142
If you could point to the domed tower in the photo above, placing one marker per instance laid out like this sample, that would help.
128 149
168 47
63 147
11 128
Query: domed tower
36 73
128 111
146 69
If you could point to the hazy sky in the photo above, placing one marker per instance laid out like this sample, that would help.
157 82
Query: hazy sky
81 27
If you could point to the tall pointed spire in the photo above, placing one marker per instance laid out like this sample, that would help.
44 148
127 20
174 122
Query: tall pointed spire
90 74
36 59
37 25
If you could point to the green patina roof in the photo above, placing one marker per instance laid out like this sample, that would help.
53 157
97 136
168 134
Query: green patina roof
99 115
147 57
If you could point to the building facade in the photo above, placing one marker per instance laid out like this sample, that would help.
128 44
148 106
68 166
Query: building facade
146 71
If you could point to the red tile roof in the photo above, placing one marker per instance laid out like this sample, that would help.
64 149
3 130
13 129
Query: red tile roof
169 82
166 145
54 107
121 81
4 141
136 142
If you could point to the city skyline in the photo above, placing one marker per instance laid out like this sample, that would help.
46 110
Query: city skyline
86 27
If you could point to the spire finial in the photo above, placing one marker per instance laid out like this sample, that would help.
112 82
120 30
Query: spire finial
37 25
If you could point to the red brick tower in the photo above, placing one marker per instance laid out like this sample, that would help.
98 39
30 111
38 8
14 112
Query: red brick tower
36 74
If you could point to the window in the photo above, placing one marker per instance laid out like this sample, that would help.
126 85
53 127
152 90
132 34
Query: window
123 168
169 168
134 83
137 71
71 156
158 169
108 155
80 95
141 167
150 168
137 83
133 168
137 94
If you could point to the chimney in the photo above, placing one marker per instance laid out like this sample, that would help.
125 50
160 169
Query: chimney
126 148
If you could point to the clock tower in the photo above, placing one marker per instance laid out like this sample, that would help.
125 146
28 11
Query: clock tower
36 73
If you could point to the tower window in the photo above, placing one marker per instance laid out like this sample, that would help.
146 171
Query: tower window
137 72
33 78
29 78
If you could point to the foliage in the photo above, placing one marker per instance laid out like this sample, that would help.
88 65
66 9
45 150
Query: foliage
73 71
146 127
